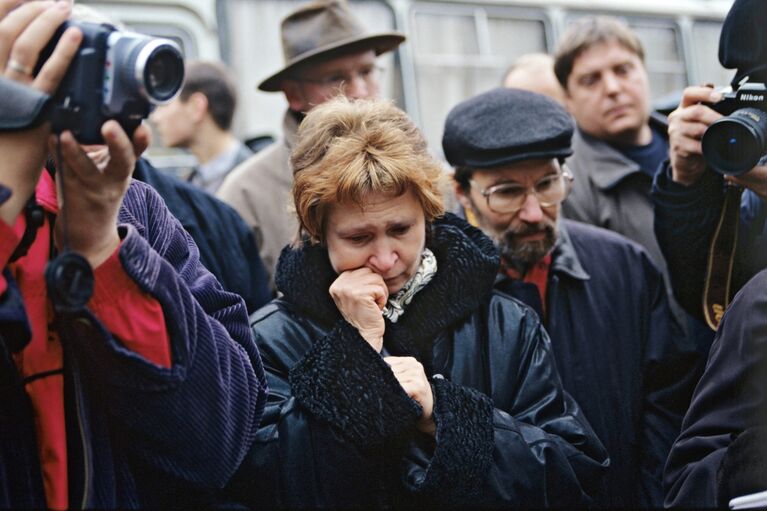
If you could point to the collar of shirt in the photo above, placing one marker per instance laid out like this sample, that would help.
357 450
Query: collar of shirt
538 274
218 166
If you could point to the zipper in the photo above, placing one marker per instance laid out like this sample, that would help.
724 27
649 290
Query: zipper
83 440
80 425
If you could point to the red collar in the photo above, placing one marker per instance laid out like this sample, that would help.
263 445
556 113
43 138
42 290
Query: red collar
538 274
45 193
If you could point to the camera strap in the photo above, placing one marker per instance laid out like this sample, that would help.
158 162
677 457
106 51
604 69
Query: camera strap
68 276
21 107
721 256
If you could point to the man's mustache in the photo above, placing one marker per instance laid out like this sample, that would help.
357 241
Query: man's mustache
529 229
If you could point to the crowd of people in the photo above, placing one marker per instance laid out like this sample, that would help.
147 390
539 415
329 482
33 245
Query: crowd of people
337 321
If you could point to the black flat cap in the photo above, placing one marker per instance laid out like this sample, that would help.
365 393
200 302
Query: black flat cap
503 126
743 42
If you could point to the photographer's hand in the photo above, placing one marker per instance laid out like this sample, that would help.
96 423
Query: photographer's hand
755 180
96 183
24 31
686 126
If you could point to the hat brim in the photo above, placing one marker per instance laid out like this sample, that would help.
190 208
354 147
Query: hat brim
493 159
380 43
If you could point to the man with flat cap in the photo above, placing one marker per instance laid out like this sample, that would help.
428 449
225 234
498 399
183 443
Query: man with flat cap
601 298
327 52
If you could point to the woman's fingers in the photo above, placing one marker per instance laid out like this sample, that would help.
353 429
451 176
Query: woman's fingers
54 69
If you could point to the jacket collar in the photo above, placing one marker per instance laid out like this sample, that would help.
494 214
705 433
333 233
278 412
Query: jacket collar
467 263
607 166
290 125
564 259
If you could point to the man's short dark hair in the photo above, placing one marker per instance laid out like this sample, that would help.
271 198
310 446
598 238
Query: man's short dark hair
589 31
215 82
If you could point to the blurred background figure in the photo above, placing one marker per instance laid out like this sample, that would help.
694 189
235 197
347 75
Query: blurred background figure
200 120
535 72
327 52
619 142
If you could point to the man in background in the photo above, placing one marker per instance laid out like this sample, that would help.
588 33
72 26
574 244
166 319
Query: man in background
619 143
327 52
200 120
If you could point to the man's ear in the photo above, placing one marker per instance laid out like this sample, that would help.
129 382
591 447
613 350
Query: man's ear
568 100
294 95
198 106
460 194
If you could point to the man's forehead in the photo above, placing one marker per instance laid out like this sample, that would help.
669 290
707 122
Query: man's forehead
341 62
518 171
602 55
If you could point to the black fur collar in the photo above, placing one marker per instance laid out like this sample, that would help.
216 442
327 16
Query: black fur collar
467 263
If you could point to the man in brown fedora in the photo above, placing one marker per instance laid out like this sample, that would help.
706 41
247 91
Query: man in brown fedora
327 52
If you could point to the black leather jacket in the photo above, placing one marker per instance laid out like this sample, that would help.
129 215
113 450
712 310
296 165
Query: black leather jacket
339 431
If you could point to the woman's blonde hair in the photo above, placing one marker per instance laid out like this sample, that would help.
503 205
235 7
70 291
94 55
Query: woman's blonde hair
347 150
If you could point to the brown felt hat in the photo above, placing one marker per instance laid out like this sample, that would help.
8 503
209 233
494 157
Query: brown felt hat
323 27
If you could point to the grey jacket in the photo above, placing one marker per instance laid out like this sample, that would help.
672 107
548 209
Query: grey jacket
612 192
259 190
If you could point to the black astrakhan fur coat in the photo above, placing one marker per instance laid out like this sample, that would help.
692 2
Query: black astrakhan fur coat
339 431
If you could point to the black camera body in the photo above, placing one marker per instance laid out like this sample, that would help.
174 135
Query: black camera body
114 75
734 144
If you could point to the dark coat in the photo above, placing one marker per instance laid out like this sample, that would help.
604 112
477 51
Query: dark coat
227 247
339 431
139 435
730 399
685 220
619 352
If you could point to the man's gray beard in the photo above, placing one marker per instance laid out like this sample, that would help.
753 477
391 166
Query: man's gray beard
523 255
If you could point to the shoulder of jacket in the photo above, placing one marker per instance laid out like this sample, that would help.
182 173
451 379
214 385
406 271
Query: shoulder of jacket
516 310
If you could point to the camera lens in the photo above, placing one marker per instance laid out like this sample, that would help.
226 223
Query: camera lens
163 73
159 69
734 144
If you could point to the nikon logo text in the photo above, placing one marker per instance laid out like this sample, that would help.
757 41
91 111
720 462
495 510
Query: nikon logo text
752 97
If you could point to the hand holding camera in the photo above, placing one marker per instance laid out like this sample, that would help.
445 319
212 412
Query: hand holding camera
686 127
27 29
726 132
95 186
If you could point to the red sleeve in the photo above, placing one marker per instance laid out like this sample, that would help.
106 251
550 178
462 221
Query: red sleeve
9 240
131 315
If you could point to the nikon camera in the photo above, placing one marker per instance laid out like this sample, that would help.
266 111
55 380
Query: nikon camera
114 75
735 143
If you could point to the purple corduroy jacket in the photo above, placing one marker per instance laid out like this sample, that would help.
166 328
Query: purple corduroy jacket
140 435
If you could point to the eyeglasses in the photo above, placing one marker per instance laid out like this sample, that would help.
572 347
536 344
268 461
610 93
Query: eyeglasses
510 197
340 79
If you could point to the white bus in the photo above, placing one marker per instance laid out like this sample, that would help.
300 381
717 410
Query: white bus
455 48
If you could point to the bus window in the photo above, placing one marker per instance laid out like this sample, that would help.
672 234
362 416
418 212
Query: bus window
663 55
460 51
706 49
249 32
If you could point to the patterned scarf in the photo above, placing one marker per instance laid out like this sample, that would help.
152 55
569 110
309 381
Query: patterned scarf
395 307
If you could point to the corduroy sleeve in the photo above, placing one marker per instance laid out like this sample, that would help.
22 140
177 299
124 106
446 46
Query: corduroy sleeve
194 420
